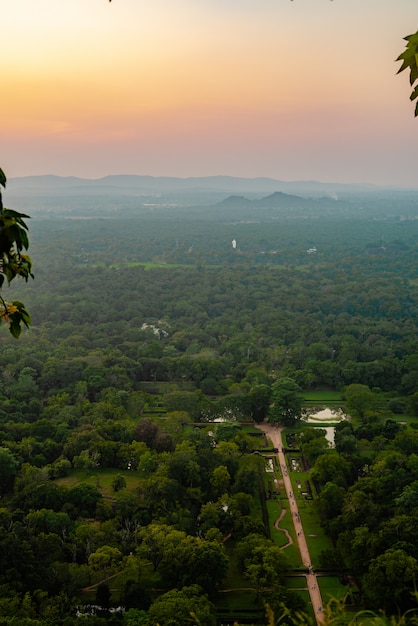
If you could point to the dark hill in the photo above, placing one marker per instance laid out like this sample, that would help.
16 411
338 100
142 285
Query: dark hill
283 200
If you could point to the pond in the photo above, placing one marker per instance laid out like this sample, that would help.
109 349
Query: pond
325 415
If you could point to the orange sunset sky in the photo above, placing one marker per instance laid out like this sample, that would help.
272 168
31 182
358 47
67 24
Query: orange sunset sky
302 89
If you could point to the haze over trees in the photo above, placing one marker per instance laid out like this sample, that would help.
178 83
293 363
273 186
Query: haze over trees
150 327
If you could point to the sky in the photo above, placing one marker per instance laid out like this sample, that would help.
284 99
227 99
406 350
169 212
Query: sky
287 89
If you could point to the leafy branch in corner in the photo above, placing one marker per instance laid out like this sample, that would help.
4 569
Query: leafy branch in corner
13 263
409 60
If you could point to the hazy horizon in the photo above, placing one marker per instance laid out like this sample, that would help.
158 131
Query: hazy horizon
294 91
271 179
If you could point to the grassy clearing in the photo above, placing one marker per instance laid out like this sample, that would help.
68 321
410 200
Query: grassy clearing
237 599
234 578
406 419
322 396
100 478
146 265
116 585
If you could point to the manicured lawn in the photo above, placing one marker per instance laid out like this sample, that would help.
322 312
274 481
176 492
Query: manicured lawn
239 605
296 582
249 429
279 538
315 537
331 588
238 600
322 396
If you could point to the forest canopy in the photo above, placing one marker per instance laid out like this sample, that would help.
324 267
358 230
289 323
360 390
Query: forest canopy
150 329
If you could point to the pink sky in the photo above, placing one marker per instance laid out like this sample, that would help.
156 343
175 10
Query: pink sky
291 90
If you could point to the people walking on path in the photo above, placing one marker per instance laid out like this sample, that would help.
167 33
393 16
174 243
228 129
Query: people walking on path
275 435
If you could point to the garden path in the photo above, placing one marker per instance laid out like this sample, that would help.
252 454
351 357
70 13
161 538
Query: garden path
283 530
275 434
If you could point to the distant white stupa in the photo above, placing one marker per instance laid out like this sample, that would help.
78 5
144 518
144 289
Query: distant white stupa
234 243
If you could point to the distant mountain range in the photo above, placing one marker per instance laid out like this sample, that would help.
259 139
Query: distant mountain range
149 185
212 197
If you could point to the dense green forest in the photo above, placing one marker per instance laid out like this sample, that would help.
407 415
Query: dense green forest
149 325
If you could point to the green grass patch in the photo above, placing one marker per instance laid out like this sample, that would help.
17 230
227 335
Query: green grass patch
296 582
116 584
238 600
406 419
331 588
147 265
100 478
322 396
304 594
315 537
279 538
240 604
156 414
234 578
249 429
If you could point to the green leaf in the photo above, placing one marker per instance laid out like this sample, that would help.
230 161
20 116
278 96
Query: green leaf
406 56
2 178
409 58
22 313
413 74
15 329
18 216
19 317
412 37
403 67
414 94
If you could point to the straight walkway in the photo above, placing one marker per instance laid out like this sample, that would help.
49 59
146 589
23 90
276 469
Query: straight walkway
275 434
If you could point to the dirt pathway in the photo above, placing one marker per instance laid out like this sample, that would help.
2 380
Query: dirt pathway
283 530
275 434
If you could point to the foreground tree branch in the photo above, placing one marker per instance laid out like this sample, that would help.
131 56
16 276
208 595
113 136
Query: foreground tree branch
409 60
13 263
